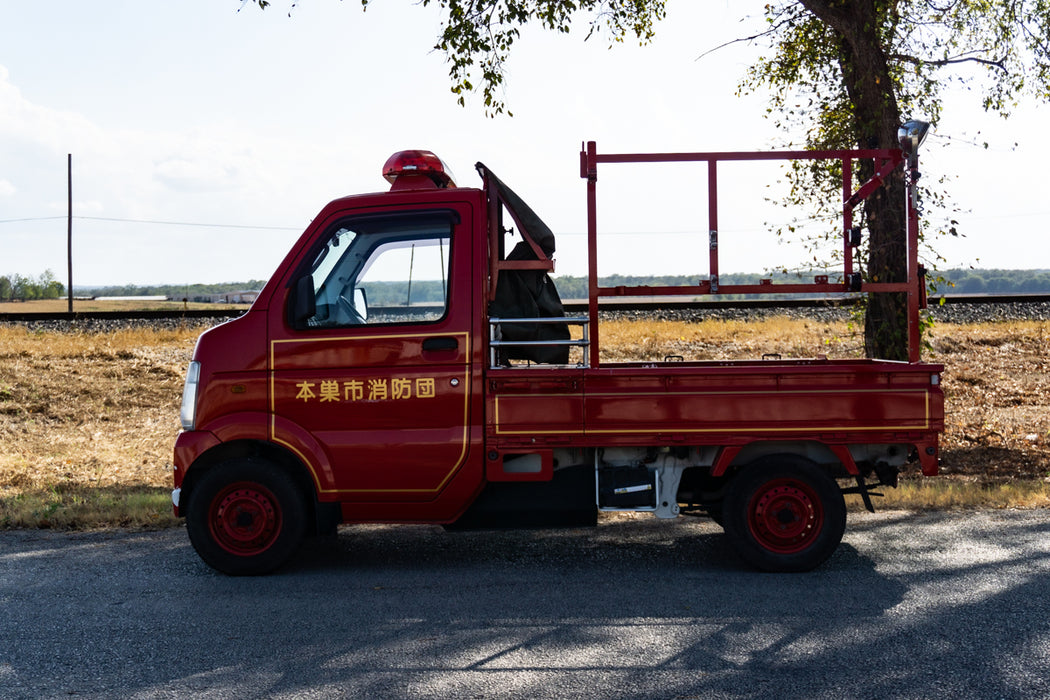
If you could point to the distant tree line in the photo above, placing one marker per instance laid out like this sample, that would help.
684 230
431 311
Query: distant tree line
432 291
576 287
172 291
996 282
951 281
20 288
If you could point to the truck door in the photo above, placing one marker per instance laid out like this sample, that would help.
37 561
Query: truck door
371 364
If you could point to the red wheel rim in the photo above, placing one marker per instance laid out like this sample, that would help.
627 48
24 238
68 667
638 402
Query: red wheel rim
785 515
245 519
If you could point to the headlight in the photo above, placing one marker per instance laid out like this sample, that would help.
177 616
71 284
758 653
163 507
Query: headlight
188 414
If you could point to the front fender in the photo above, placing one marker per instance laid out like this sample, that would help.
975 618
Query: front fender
257 426
189 446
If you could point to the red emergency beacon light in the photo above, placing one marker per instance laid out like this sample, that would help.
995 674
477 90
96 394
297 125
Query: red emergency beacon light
415 170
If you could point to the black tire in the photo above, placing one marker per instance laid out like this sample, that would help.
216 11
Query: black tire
783 513
246 517
716 513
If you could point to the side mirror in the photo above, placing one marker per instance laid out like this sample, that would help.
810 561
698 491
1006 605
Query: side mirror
361 303
303 303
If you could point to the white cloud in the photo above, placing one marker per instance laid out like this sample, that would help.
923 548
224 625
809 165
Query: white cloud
34 126
6 188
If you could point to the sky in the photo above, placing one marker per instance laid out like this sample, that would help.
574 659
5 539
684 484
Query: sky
204 138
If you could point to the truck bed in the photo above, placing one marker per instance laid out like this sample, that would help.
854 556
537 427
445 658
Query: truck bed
716 403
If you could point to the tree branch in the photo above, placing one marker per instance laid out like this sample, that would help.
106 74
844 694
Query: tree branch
747 39
1036 39
999 63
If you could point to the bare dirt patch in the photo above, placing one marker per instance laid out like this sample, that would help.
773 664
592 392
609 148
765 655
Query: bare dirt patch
997 388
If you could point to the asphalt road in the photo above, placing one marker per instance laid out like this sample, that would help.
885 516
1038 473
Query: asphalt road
911 606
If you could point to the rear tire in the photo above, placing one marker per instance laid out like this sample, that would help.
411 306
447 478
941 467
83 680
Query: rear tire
716 513
246 517
783 513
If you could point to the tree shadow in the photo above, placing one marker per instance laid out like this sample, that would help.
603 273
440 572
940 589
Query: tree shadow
911 605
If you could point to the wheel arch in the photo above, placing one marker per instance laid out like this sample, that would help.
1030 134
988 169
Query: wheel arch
262 450
835 459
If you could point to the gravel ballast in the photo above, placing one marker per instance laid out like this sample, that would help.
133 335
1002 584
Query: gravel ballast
954 313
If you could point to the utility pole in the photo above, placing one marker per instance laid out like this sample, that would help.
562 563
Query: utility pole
69 227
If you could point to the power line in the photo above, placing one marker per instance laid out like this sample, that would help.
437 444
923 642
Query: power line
35 218
154 222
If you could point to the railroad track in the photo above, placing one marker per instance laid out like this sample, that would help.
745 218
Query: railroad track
572 306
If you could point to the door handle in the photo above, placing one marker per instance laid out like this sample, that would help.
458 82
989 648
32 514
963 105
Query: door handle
440 343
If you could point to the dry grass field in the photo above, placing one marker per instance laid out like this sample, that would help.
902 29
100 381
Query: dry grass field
87 420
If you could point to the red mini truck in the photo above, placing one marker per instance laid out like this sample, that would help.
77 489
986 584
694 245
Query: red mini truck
411 362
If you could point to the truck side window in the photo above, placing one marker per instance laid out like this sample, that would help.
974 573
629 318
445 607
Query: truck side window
382 269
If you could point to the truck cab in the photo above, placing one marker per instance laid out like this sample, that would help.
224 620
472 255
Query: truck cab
410 361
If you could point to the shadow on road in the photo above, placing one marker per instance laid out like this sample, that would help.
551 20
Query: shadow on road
910 606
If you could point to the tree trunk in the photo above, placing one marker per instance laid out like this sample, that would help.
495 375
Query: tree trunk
876 116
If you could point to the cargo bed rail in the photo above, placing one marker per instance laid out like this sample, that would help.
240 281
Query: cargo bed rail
885 162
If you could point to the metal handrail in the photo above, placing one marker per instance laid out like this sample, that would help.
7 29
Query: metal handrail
495 342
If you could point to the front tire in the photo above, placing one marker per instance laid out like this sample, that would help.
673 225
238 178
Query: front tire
246 517
783 513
